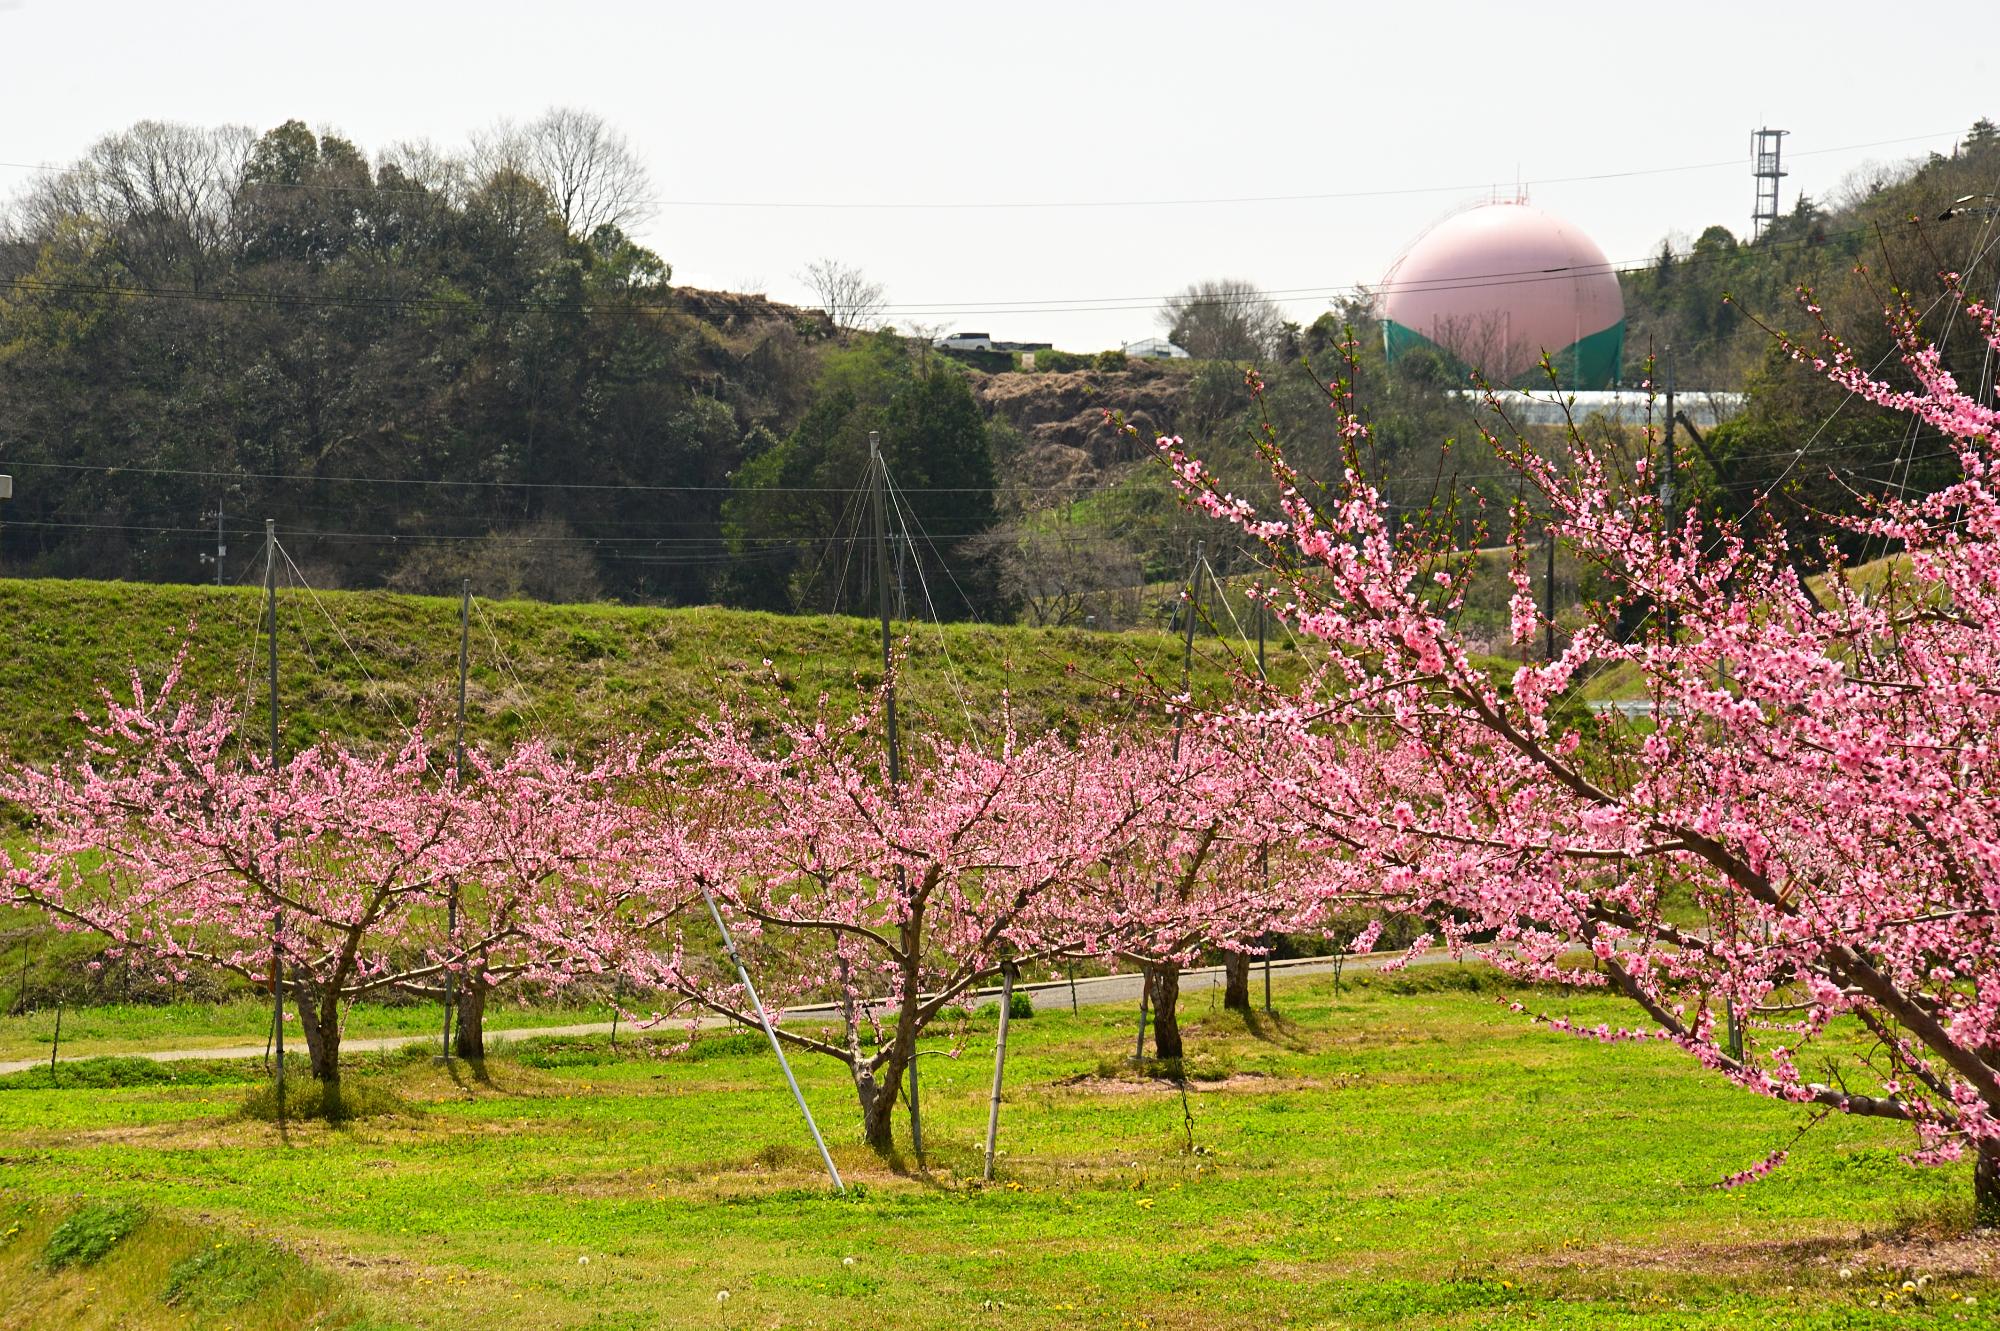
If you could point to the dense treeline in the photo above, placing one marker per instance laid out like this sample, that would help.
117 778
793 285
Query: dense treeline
424 366
1889 232
430 365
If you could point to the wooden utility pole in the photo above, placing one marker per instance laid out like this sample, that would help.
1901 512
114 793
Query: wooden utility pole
878 485
1549 591
1193 599
458 770
277 859
1264 851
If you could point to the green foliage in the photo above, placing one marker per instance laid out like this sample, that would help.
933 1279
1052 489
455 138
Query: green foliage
1063 362
1018 1006
85 1238
800 525
402 322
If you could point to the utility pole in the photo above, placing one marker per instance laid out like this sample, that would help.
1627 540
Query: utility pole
1667 470
878 473
1193 599
221 543
1264 851
878 478
1549 590
458 771
1187 641
277 859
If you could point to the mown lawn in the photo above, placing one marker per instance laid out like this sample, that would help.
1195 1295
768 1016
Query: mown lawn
1407 1154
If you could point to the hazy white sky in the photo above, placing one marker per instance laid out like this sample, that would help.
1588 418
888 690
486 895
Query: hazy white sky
1413 109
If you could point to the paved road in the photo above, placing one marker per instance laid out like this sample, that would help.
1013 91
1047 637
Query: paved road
1049 996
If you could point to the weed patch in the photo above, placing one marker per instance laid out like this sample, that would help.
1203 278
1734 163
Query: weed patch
336 1102
84 1238
225 1276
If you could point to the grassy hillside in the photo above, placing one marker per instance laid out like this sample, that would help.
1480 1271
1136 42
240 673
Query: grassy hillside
350 664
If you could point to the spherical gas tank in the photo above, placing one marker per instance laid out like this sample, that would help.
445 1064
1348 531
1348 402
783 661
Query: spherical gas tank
1495 288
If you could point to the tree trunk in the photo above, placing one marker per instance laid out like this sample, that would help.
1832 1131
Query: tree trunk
1165 982
469 1040
1236 981
878 1107
1986 1186
322 1032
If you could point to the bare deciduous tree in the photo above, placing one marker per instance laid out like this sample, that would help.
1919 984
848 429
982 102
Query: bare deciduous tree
169 188
851 301
1057 575
1222 319
589 169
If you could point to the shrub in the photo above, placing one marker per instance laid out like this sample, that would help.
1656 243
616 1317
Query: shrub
84 1238
1019 1006
1111 360
1060 362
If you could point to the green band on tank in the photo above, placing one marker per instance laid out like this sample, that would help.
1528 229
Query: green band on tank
1591 363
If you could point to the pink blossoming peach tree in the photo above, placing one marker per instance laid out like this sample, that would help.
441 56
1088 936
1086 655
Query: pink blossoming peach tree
1791 866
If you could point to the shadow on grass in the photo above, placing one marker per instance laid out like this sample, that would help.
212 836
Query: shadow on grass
465 1072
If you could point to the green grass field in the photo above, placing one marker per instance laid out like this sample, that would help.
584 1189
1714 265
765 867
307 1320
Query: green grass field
125 1028
1408 1154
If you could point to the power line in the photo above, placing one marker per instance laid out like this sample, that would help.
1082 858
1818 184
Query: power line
662 300
884 205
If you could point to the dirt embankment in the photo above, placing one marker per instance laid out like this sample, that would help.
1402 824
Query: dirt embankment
736 312
1060 417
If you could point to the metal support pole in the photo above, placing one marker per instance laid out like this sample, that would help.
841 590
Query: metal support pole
1264 851
1187 642
458 771
1145 993
743 974
1667 470
916 1118
277 862
1549 595
878 472
1261 612
1007 973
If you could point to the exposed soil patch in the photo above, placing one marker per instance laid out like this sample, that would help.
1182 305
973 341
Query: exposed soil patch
1867 1257
1235 1081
